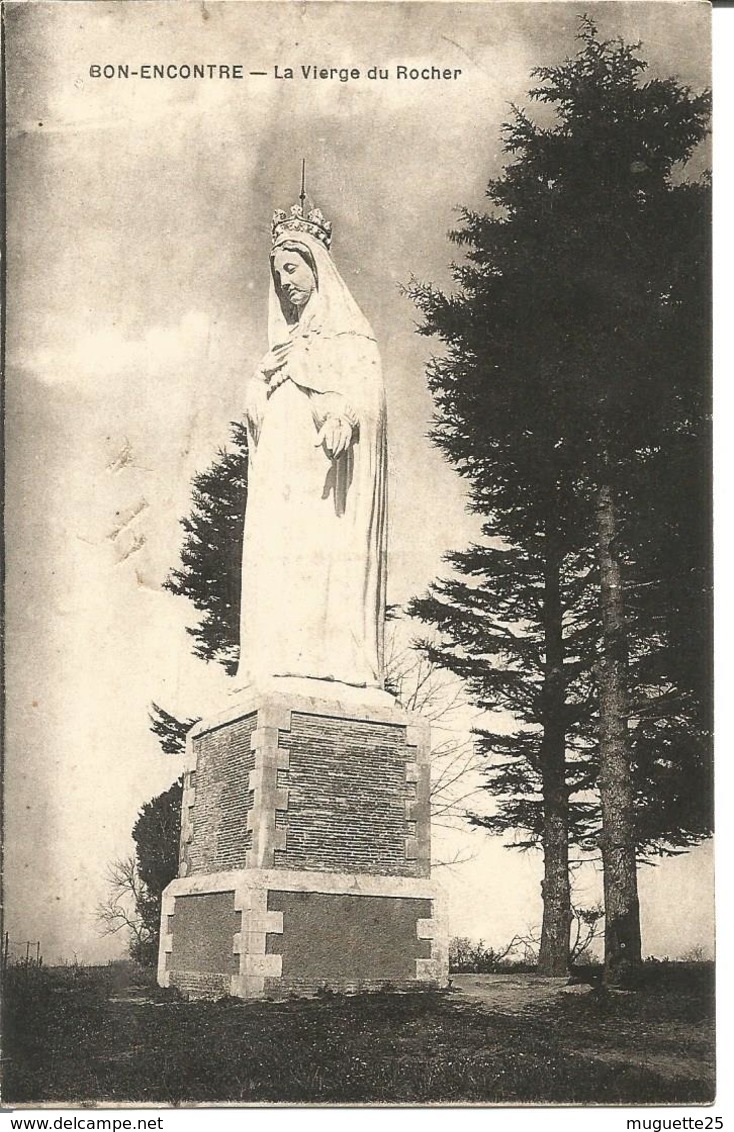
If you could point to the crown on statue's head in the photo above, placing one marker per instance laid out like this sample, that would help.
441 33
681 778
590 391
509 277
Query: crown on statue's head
299 220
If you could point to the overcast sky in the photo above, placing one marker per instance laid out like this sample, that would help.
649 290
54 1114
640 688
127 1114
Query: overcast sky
139 226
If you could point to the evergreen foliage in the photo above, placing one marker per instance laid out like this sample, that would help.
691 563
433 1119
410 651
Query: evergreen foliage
490 618
170 731
210 575
573 395
156 835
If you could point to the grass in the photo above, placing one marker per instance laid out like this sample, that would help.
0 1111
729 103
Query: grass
79 1035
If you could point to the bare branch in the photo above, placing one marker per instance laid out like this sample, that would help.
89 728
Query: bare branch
120 910
460 857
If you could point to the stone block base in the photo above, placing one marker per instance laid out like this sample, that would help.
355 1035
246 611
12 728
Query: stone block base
257 933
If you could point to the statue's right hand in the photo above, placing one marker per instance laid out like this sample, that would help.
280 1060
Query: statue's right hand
275 359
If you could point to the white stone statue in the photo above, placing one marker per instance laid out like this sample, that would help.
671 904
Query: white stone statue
313 572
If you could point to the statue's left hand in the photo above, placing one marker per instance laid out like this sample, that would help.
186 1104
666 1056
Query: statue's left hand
335 434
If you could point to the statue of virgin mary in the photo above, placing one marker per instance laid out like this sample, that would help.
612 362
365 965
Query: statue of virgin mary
313 571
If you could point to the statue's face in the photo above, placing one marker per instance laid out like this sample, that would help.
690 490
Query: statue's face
293 276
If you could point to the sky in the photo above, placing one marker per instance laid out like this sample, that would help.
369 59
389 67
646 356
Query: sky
138 239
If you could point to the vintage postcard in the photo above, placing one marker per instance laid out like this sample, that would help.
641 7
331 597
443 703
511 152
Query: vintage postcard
358 545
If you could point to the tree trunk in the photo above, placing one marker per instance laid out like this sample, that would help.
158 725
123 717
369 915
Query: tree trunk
553 958
622 953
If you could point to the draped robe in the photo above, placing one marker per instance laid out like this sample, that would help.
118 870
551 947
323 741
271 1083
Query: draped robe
313 570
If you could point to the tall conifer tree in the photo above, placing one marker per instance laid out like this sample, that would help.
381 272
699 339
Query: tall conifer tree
575 363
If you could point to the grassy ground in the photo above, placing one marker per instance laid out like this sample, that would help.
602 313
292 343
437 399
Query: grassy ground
81 1035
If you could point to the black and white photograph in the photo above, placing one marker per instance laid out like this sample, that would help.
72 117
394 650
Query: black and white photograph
358 555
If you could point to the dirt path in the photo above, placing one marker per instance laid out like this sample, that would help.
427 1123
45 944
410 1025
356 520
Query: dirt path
512 994
673 1051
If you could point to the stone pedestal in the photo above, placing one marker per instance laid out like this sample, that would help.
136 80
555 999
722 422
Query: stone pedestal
305 852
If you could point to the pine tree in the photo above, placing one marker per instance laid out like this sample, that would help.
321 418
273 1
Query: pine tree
211 556
501 623
574 362
156 835
170 731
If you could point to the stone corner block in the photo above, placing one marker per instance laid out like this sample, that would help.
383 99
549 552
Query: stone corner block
431 970
190 753
265 922
247 986
417 734
168 905
262 966
264 738
272 712
426 929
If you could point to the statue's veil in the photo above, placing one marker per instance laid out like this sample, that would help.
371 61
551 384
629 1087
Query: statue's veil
331 310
